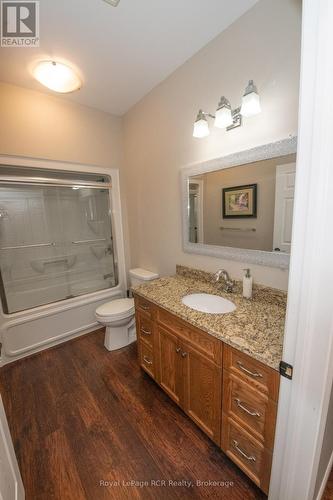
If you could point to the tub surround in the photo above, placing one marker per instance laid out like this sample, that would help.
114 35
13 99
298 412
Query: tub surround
256 327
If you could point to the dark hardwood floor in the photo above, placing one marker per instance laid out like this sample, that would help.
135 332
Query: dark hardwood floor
328 493
86 423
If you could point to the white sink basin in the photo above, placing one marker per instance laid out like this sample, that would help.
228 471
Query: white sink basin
208 303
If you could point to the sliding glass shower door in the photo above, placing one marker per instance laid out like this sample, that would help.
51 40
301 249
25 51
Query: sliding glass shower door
55 243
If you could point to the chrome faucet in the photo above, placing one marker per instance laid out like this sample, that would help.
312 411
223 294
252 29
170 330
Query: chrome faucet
228 283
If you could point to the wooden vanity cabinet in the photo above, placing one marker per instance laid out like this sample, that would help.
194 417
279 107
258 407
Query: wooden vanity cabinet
170 373
203 387
190 365
193 381
145 329
249 407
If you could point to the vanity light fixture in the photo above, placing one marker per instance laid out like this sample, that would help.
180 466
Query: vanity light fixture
225 116
57 76
250 101
201 128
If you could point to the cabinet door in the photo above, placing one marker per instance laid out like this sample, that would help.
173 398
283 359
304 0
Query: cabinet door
170 366
203 391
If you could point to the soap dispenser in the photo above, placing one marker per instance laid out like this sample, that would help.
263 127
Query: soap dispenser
247 284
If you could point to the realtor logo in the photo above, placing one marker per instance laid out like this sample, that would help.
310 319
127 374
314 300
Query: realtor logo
19 23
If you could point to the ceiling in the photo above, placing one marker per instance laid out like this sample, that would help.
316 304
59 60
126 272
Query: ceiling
123 52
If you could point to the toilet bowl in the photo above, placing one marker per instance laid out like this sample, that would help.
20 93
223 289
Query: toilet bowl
118 315
118 318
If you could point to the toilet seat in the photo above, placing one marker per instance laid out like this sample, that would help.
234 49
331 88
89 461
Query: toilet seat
116 309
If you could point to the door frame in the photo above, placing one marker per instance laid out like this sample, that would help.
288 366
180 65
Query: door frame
308 346
10 457
279 219
200 184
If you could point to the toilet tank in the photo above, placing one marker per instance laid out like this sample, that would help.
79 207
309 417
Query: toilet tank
139 276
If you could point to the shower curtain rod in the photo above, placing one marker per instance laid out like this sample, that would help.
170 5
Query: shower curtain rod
46 181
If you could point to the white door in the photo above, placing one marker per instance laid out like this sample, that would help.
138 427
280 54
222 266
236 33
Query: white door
284 207
11 486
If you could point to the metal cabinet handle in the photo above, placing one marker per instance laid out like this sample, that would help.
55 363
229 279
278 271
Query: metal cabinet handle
249 412
145 308
147 361
177 350
146 332
184 354
241 452
253 374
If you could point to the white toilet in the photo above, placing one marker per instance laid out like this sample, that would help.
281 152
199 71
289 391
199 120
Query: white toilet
118 315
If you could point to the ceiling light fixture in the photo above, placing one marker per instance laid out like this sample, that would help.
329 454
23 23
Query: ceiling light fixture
57 76
225 116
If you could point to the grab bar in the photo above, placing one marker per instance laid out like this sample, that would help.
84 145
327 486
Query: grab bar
251 229
37 245
79 242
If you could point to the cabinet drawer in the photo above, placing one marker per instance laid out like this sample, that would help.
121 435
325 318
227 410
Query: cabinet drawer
144 305
147 359
250 408
248 453
256 374
145 329
205 343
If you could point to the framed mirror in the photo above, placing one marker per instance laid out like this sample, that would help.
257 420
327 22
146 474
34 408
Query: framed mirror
240 207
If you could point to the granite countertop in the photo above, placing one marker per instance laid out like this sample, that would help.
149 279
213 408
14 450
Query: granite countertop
256 327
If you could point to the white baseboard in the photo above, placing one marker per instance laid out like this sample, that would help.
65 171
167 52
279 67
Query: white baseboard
325 478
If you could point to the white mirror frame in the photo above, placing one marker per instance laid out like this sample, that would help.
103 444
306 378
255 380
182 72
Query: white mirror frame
265 152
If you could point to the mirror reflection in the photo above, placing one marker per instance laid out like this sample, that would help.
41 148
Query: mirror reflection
247 206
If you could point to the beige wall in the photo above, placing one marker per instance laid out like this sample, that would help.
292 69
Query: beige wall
264 44
262 173
37 125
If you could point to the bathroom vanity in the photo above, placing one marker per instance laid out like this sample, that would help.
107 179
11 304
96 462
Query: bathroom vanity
222 370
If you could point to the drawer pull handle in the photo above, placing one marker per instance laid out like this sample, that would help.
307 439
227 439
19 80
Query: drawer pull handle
249 412
146 332
241 452
253 374
144 307
147 361
177 350
184 354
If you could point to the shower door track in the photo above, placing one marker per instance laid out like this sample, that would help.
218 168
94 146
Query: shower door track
36 245
49 182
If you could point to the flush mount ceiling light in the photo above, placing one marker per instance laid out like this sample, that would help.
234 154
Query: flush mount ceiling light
225 116
114 3
57 76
